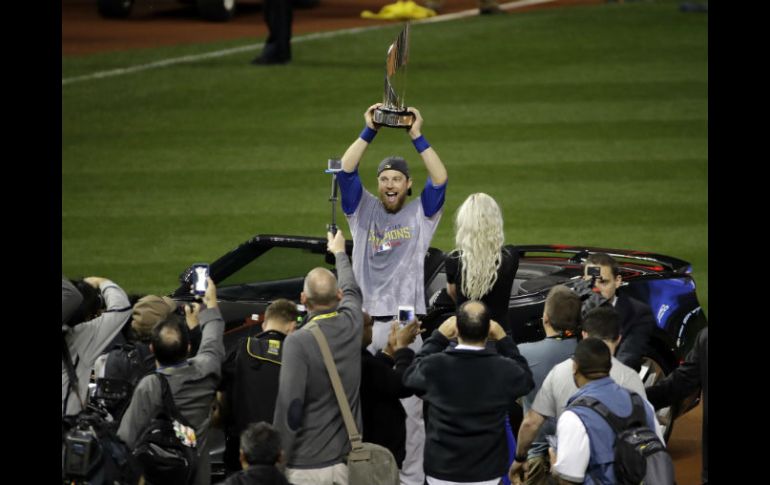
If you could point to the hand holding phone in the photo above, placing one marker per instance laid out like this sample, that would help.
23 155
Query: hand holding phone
200 277
405 314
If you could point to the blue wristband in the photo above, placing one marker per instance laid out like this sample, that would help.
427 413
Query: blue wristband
367 134
421 144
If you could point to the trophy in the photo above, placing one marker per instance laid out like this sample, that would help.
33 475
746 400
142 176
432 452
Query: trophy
393 112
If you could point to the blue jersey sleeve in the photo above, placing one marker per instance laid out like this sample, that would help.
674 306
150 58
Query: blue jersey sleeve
432 198
351 188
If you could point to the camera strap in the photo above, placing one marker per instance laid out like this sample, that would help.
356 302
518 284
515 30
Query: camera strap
169 406
73 376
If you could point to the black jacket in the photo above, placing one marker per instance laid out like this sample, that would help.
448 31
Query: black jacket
250 382
686 379
381 388
469 393
499 295
637 325
258 475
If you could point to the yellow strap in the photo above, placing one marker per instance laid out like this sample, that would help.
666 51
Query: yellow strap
323 316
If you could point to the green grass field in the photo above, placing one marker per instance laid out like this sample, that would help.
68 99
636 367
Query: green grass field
589 125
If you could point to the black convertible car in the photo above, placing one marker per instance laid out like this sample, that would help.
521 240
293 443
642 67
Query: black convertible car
267 267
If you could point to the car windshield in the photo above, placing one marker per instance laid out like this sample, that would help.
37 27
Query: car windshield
279 272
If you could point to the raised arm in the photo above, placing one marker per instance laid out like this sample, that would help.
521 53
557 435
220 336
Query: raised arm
436 169
70 299
346 282
348 179
212 349
355 152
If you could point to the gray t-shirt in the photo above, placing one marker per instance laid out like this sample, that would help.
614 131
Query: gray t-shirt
559 385
542 356
389 254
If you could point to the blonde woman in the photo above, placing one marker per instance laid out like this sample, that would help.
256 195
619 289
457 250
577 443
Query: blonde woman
480 267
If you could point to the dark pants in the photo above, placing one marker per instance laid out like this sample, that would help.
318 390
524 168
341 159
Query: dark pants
278 17
232 455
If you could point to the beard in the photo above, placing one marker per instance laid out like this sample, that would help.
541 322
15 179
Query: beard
394 206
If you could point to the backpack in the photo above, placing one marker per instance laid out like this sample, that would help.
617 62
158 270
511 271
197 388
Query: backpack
93 453
124 366
640 456
166 449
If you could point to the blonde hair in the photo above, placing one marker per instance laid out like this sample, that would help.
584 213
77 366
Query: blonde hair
479 239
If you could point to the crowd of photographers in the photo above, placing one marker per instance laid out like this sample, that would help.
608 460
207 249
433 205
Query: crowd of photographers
115 345
144 380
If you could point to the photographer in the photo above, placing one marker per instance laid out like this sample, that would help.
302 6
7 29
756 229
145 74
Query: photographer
193 381
90 329
121 367
637 322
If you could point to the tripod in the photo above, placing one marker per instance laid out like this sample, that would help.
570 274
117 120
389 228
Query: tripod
335 166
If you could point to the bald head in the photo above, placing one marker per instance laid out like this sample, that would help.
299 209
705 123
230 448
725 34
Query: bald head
170 340
320 288
473 322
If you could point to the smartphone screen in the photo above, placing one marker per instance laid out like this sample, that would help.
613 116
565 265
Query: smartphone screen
200 278
405 314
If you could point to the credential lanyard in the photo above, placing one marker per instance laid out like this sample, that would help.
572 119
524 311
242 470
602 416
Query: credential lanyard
323 316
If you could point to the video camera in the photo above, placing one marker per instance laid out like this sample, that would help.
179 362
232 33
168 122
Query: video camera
585 287
92 452
595 272
82 451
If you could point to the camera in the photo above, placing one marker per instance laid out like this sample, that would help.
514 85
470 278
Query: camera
200 276
405 314
595 272
335 165
110 391
82 451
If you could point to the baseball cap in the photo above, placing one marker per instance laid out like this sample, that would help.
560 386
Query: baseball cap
149 311
393 163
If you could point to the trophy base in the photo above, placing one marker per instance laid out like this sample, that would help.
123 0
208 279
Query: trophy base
393 119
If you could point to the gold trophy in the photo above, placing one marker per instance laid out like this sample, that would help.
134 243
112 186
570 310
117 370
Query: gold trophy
393 112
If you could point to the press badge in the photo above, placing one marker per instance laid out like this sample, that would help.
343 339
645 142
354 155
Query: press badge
274 347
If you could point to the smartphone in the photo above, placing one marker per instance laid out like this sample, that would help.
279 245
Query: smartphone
405 314
335 165
200 278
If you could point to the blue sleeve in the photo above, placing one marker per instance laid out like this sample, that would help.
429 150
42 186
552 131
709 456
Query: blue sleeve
432 198
351 188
